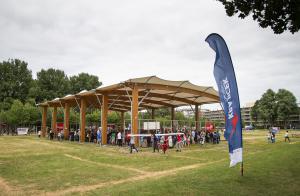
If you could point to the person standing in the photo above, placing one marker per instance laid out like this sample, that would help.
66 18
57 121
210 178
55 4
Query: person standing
99 137
165 144
193 136
188 140
39 133
113 138
178 143
155 143
273 137
132 146
286 136
119 137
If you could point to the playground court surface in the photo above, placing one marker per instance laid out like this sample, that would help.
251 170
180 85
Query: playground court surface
32 166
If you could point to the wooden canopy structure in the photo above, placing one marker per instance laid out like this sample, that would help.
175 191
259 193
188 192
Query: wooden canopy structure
131 95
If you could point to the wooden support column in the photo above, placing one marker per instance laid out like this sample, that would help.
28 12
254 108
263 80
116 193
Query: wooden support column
122 121
153 114
53 124
44 121
66 121
104 112
172 119
82 119
197 117
135 112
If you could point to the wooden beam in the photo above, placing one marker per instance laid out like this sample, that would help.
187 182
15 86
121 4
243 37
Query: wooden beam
128 104
66 121
44 121
135 111
172 119
122 121
153 114
118 109
158 95
53 123
144 103
82 119
104 111
177 89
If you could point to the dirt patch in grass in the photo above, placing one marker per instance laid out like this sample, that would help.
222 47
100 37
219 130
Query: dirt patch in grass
4 185
147 175
105 165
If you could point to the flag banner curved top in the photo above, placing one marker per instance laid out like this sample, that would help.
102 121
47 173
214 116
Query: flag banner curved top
229 97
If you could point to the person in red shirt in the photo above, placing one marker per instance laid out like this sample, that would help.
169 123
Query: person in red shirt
178 143
165 144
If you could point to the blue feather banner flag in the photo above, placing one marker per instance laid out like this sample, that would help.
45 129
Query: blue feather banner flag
229 97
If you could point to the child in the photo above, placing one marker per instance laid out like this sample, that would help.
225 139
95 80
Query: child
132 145
189 140
286 136
165 144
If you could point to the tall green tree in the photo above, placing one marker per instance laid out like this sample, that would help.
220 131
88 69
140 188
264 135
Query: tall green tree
15 80
267 108
21 114
286 105
254 111
51 83
83 81
93 117
272 107
280 15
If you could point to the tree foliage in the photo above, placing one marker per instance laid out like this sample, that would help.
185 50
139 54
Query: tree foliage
272 107
15 80
20 114
19 93
286 105
280 15
52 83
83 81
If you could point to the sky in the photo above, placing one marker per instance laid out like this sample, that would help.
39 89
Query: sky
118 40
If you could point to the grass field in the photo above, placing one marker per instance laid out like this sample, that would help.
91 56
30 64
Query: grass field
32 166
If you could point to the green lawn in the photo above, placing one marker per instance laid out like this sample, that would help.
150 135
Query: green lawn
32 166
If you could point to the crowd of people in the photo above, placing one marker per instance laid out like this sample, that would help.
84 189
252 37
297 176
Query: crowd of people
182 138
121 138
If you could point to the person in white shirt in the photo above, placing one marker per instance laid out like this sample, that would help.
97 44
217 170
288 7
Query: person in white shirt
119 137
286 136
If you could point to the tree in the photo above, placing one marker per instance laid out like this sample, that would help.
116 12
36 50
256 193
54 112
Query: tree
16 115
83 81
50 84
280 15
113 117
254 111
273 106
163 112
286 105
93 117
6 104
267 107
21 114
15 79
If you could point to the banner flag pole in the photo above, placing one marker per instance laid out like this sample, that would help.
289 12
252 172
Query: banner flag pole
229 98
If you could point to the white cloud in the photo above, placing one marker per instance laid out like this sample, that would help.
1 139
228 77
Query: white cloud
118 40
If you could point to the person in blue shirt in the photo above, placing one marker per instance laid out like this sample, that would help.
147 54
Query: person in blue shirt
99 137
